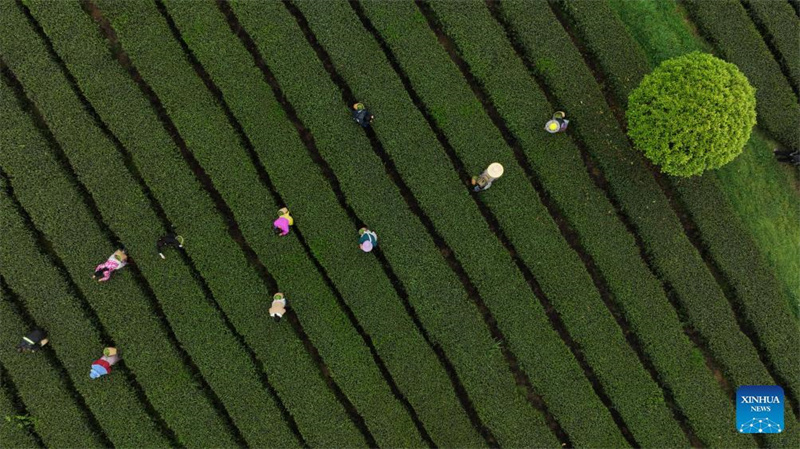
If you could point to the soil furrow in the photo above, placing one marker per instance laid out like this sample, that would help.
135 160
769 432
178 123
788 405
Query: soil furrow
265 180
391 170
19 308
47 248
330 176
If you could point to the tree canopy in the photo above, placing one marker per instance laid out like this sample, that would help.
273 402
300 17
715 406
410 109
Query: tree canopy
692 113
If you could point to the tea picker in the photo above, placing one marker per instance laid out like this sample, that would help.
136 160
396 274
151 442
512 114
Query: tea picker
33 341
361 115
557 124
485 179
367 239
278 307
102 366
168 241
284 221
114 262
787 156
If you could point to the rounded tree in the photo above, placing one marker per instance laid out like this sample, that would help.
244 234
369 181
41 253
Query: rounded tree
692 113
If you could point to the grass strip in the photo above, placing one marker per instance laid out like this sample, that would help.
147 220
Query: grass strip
662 30
726 321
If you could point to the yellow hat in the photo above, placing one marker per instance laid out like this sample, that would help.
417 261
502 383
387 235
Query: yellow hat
110 352
552 125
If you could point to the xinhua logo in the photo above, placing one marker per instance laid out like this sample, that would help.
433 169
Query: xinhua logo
759 409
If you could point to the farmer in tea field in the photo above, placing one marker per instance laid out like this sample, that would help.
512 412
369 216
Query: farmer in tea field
361 115
116 261
278 307
558 124
167 241
102 366
485 179
788 156
367 240
284 221
33 341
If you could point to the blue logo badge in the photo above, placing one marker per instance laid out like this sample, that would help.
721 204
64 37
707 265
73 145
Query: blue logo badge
759 409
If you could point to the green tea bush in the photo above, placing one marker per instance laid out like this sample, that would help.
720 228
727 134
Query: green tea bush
693 113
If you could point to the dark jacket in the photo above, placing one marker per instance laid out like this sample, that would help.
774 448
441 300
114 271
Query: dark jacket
362 117
167 241
32 341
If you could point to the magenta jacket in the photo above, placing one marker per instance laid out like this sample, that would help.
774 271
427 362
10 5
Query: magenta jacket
283 224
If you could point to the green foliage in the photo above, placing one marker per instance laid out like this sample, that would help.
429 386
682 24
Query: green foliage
658 28
516 204
447 316
11 435
763 197
727 239
637 292
330 233
179 398
74 337
443 307
725 23
693 113
673 257
60 421
780 27
236 287
25 422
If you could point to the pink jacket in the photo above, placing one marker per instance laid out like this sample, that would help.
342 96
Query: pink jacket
111 264
283 224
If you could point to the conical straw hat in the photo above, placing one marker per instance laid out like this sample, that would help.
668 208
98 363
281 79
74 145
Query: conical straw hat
495 170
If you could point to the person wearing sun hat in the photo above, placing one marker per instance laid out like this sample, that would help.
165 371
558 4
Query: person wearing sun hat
367 240
558 124
102 366
485 179
278 307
